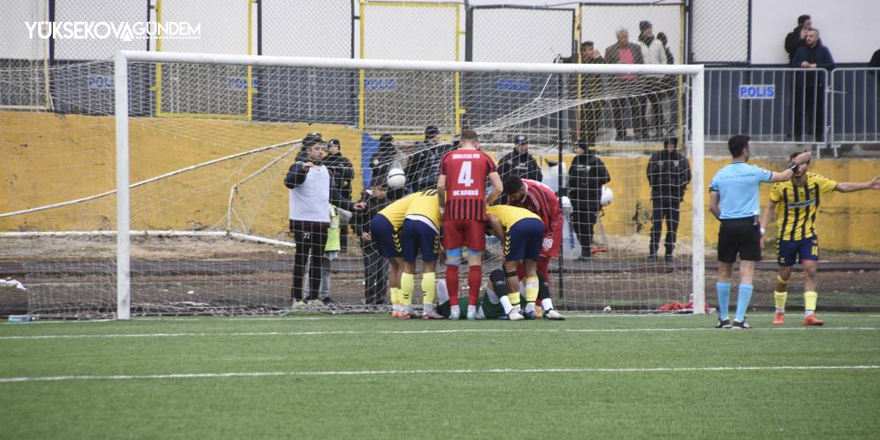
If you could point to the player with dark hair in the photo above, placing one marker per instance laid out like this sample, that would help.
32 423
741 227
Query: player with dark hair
461 190
796 201
733 199
541 200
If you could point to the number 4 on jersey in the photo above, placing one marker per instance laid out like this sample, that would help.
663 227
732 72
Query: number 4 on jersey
464 175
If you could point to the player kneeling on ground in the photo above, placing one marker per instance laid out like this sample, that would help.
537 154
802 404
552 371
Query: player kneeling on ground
489 306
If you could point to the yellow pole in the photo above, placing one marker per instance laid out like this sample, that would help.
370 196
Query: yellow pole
250 73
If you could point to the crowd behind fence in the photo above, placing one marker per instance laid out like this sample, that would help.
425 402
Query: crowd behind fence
773 105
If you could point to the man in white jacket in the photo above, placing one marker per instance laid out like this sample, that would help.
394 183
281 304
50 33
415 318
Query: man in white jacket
653 52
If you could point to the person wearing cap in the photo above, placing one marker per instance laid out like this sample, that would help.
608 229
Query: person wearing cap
585 180
311 193
668 174
653 52
519 162
342 172
624 52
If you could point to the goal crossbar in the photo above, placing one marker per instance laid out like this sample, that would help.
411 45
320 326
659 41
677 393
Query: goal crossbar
122 60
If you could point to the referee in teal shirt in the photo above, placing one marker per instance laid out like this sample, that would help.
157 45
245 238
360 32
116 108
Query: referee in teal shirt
733 199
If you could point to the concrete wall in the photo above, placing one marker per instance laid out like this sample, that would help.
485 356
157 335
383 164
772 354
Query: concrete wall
47 158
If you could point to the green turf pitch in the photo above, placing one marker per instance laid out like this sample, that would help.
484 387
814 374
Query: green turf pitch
371 377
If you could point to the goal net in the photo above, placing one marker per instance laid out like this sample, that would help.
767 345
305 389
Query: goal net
156 185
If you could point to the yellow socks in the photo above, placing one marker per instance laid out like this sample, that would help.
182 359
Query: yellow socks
407 285
531 289
429 284
395 296
780 298
810 299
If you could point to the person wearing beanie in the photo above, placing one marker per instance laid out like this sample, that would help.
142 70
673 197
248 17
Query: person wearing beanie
385 158
519 162
668 174
585 180
342 172
423 166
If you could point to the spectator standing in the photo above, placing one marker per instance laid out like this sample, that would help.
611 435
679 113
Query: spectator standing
519 162
343 173
875 63
591 88
585 180
624 52
668 174
375 266
797 38
733 200
383 160
311 193
810 86
424 165
653 53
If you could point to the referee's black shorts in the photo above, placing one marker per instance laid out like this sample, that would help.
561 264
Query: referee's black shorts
739 236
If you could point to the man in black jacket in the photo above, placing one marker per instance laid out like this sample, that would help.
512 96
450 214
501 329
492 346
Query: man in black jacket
668 174
519 162
342 172
424 166
585 180
797 38
375 266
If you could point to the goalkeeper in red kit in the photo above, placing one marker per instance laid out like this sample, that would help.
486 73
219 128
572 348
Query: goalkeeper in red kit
461 189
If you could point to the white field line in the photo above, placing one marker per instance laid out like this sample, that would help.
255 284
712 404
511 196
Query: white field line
437 371
414 332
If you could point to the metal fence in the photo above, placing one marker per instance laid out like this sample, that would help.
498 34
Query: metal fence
787 105
855 105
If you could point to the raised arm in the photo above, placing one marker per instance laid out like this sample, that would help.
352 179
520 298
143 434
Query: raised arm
846 187
799 160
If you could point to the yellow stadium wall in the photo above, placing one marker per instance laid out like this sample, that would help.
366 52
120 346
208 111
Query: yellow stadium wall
52 158
846 221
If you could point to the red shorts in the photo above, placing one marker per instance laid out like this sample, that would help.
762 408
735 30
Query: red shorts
469 233
553 252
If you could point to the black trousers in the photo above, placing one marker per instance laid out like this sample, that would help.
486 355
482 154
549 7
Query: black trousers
583 218
809 112
664 208
310 239
591 121
376 276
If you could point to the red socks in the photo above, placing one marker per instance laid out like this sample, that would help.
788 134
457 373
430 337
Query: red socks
452 283
475 278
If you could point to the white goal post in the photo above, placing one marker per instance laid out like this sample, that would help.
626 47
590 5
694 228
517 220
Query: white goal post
123 60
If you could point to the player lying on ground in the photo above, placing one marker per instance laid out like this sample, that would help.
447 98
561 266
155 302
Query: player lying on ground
797 201
489 305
